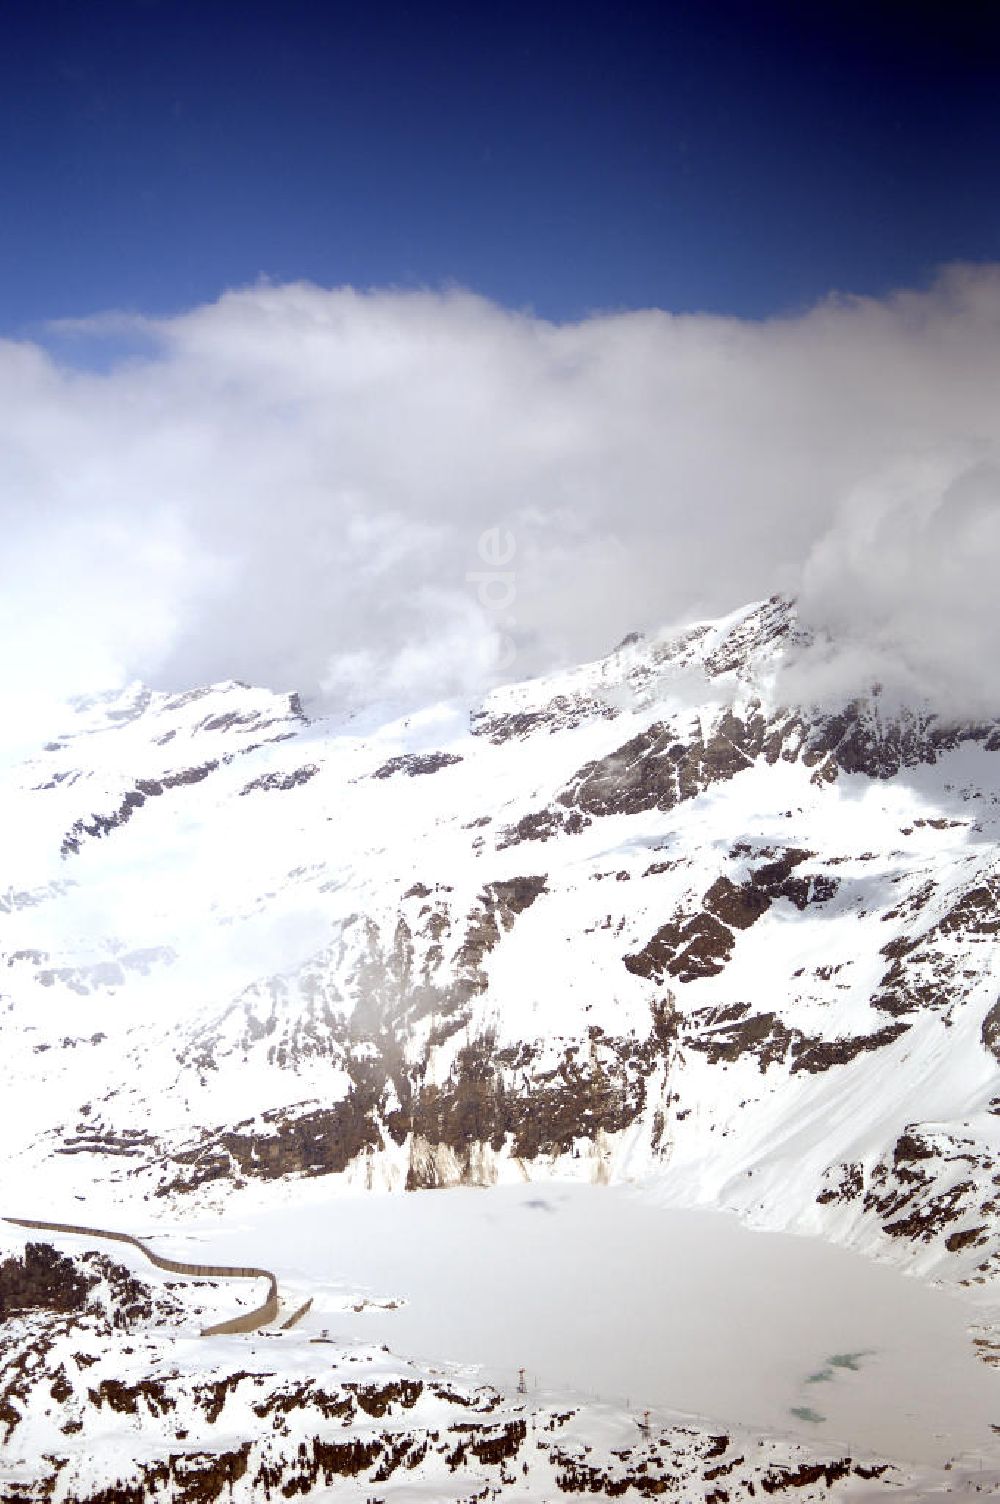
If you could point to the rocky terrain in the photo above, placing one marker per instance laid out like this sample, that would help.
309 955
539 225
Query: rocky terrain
641 920
250 1432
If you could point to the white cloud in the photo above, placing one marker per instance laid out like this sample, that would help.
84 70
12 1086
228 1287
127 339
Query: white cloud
291 488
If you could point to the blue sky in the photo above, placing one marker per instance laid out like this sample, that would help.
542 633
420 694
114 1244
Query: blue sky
290 483
742 157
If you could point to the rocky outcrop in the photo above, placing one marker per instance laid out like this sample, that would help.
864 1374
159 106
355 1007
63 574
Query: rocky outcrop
42 1280
248 1434
926 971
726 1034
700 943
98 825
658 769
248 1322
932 1181
282 1143
513 1098
415 764
278 782
561 713
669 763
991 1031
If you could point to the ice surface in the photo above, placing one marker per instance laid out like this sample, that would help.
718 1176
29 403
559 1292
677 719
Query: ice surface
597 1291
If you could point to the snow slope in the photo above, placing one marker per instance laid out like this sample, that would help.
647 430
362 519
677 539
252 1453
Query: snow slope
635 921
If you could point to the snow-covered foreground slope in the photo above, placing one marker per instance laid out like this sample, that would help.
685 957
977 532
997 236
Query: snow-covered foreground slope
113 1395
637 921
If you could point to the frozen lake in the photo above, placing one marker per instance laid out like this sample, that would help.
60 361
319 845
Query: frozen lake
597 1291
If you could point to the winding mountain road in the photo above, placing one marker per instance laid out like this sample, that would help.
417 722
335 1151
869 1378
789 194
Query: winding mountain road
262 1315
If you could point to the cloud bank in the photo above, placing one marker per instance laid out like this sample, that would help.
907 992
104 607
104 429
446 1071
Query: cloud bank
305 488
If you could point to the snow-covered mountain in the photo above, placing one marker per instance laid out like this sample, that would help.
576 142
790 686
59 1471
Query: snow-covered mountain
639 921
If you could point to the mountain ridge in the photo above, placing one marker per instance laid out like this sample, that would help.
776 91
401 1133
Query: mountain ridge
637 921
408 1048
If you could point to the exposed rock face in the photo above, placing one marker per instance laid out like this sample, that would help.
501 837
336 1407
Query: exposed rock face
667 763
43 1280
655 770
844 1183
273 719
925 1188
494 1096
701 944
413 764
991 1031
561 713
271 782
925 970
726 1034
395 987
288 1142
